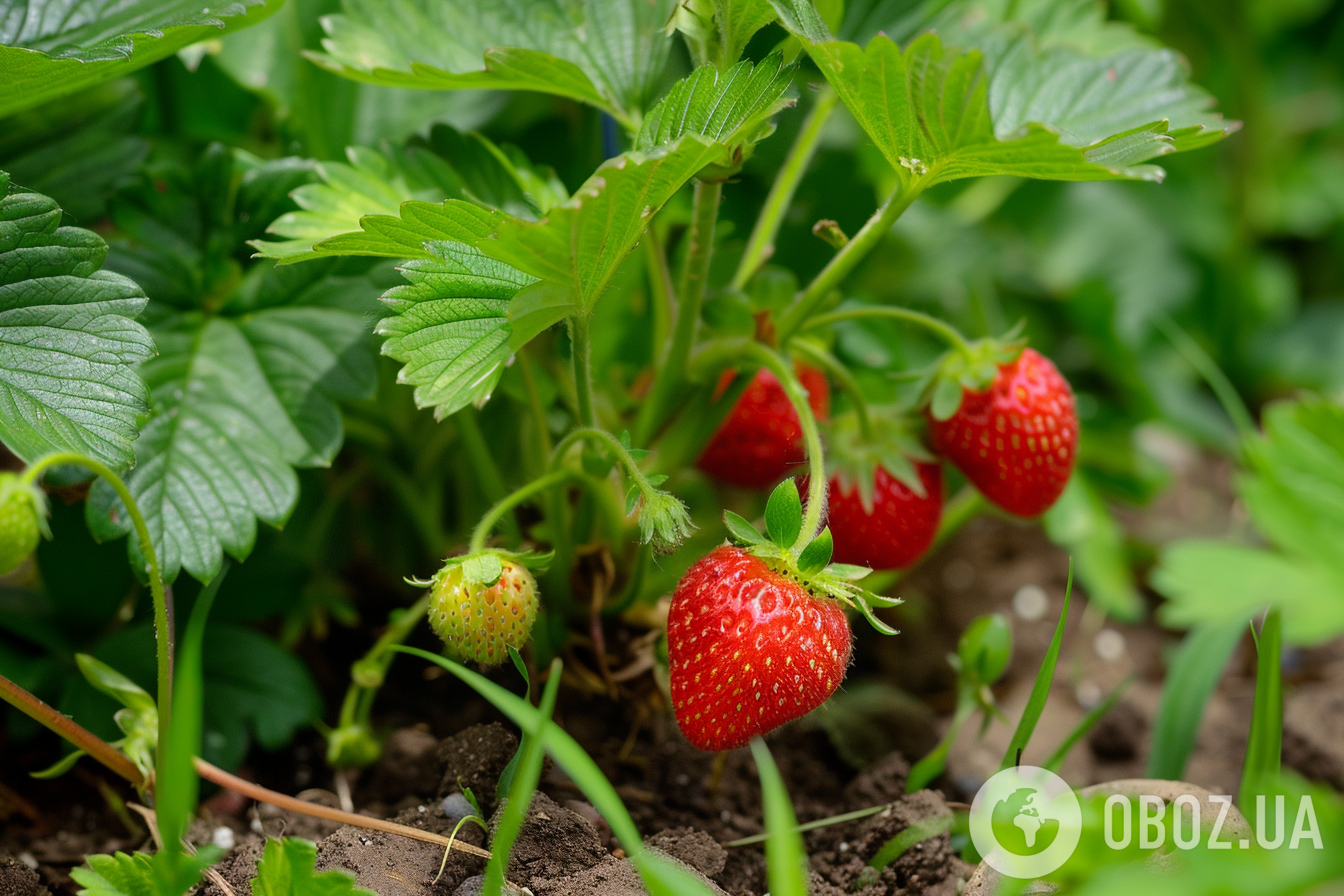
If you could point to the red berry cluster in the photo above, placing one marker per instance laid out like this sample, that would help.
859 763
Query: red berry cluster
751 643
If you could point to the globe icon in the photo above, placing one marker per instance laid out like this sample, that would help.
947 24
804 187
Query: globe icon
1019 827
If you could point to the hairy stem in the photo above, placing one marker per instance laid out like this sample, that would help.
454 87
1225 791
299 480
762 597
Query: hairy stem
591 434
662 294
72 731
512 500
162 623
816 461
671 374
355 708
943 330
831 365
846 259
581 349
761 243
263 795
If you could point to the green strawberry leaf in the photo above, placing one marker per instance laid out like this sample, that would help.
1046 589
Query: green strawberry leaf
1294 490
731 108
482 569
68 339
742 532
936 114
609 55
718 30
817 555
239 399
579 244
450 326
49 48
386 203
288 867
138 874
784 514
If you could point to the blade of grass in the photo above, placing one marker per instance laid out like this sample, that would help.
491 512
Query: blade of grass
1198 664
661 877
1264 747
1056 760
785 861
811 825
918 832
176 786
932 765
525 777
1040 691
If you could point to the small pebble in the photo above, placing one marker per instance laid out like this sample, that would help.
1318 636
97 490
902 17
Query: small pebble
28 859
456 806
1109 645
1031 602
1088 694
725 816
683 780
223 837
844 847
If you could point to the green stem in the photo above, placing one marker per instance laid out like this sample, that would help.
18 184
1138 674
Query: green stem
512 500
72 731
662 297
848 384
847 258
671 374
761 243
932 765
355 708
816 461
943 330
162 627
592 434
582 351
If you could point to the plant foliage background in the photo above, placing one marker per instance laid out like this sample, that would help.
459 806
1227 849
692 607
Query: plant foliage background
238 198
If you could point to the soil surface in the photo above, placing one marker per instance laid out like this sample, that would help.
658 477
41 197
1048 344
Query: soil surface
851 755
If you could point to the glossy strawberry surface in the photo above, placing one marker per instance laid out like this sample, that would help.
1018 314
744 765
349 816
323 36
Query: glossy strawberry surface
1017 440
897 529
749 649
761 441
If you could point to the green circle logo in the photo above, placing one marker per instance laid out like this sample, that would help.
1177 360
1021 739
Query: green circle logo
1025 822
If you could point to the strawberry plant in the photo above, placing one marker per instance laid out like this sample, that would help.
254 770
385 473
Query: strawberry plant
651 344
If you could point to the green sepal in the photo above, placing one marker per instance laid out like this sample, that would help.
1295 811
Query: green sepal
482 569
891 444
868 614
784 514
741 531
817 554
973 370
848 572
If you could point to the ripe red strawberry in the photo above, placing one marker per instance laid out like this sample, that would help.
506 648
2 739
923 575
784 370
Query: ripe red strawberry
1015 440
482 605
895 527
762 438
749 648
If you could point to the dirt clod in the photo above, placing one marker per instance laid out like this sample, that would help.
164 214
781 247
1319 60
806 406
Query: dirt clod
695 848
474 758
17 879
553 843
410 764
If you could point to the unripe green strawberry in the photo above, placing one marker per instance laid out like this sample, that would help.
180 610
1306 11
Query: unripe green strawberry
483 605
22 512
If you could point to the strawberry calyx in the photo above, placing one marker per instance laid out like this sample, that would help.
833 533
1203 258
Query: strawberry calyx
972 368
890 442
811 568
484 567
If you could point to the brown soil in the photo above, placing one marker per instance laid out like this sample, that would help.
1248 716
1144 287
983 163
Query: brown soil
849 756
